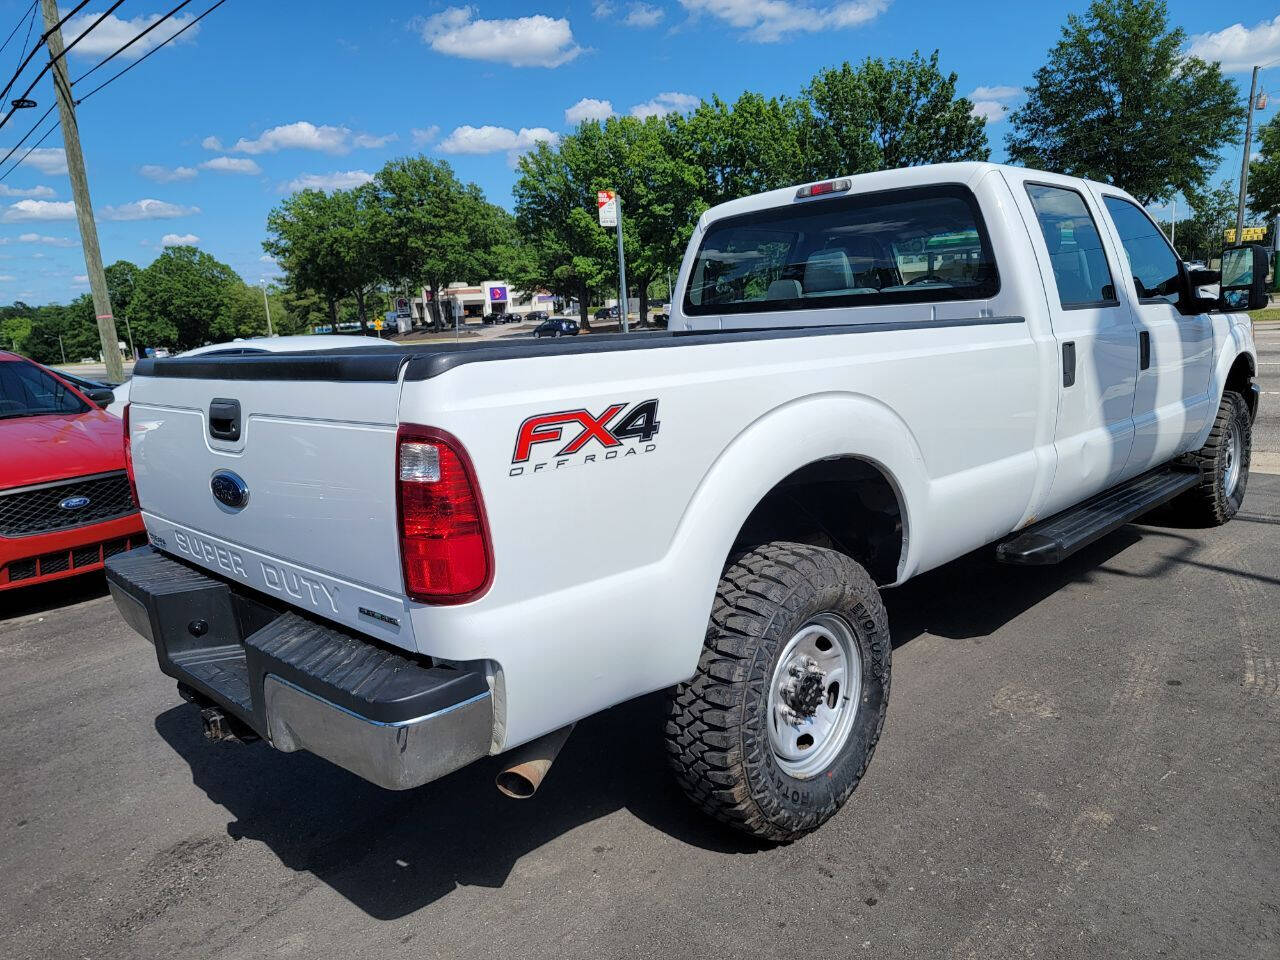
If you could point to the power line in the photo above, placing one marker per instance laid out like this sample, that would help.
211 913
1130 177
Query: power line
61 55
105 83
24 16
117 76
39 43
123 47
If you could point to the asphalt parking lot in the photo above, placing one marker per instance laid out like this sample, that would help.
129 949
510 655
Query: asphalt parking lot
1079 761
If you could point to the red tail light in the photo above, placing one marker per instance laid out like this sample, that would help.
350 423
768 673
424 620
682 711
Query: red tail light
128 458
444 536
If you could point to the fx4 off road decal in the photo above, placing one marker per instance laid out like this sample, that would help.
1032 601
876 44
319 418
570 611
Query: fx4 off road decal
549 441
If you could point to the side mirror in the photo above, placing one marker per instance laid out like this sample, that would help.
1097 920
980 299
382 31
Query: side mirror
1244 277
103 398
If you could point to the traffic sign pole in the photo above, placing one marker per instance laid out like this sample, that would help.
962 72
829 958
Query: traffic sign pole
622 275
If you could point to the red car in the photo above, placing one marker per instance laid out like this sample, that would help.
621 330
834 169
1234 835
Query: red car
65 499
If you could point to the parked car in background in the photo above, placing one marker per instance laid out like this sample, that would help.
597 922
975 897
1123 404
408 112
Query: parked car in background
66 503
300 342
537 316
607 313
560 327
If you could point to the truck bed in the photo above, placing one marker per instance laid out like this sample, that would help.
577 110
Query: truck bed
424 361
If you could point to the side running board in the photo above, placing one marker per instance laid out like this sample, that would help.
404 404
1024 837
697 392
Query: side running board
1055 538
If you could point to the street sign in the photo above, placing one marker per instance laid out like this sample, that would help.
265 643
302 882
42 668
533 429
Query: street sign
402 306
377 325
1251 234
607 202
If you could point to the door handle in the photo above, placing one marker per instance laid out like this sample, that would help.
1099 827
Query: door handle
1069 364
1144 350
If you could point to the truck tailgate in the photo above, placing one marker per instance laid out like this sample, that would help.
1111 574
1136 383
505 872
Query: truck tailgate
315 462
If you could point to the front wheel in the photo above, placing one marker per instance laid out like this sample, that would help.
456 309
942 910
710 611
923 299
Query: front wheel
778 725
1223 464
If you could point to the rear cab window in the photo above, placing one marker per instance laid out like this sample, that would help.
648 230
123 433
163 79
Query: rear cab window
916 245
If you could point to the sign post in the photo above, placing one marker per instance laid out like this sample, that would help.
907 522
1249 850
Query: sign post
610 206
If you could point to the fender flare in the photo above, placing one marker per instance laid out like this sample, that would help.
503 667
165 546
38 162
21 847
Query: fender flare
766 451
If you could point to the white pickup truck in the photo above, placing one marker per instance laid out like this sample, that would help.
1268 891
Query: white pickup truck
404 560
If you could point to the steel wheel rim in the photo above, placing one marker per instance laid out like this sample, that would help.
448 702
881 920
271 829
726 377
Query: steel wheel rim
822 655
1231 475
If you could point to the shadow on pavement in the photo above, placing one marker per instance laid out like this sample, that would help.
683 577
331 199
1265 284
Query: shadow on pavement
46 597
391 854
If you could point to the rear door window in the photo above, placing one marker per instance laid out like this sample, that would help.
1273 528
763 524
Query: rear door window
1075 248
901 246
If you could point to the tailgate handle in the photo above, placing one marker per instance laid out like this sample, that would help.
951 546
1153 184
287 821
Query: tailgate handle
224 419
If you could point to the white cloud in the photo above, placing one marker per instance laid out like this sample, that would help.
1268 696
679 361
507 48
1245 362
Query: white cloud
665 103
266 258
992 103
162 174
1239 47
643 15
179 240
114 32
48 160
232 165
296 136
425 135
38 191
369 141
302 136
537 41
146 210
7 278
487 139
602 10
39 210
82 279
991 111
337 180
767 21
42 239
995 93
588 109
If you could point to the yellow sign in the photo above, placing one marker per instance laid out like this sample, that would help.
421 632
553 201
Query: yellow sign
1251 234
377 324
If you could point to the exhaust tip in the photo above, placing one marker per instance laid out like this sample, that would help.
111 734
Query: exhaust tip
516 785
528 765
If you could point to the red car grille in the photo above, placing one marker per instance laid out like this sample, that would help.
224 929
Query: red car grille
64 505
91 555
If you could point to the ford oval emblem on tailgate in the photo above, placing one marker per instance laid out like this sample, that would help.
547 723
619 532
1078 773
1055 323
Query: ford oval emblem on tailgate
229 490
74 503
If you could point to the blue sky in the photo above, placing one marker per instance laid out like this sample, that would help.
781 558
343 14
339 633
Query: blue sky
202 139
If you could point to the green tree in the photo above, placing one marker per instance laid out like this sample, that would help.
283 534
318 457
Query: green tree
432 228
180 299
556 213
1200 234
329 243
748 147
59 330
15 325
884 115
1264 173
1118 101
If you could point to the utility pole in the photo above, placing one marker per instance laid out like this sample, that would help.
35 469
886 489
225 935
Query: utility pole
1244 163
267 305
80 194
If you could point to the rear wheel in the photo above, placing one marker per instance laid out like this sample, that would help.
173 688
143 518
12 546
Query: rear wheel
777 726
1223 463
